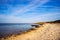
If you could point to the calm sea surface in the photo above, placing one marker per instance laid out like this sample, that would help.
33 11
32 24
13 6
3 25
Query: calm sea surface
13 28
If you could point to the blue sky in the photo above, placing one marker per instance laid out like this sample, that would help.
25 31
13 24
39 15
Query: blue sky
29 11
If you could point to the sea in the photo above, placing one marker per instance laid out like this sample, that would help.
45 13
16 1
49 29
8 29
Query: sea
13 28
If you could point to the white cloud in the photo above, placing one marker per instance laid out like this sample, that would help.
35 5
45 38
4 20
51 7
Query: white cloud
31 6
34 17
38 18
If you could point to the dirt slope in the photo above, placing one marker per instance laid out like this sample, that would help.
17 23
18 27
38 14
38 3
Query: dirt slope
46 32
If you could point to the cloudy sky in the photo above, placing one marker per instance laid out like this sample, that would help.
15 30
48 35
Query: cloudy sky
29 11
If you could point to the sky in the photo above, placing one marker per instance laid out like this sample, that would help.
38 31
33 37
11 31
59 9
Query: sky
29 11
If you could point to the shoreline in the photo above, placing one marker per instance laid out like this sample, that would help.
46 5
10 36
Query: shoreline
32 32
29 30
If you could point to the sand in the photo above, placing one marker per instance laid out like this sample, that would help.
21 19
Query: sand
47 31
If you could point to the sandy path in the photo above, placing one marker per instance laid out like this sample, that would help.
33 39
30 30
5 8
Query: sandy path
46 32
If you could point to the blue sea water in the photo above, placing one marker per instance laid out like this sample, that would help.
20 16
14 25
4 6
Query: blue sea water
13 28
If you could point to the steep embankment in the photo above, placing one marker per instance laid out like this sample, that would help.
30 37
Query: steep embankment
46 32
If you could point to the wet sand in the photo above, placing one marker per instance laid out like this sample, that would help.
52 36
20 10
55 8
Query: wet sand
47 31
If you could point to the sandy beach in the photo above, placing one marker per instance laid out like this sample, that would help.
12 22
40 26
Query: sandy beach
47 31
